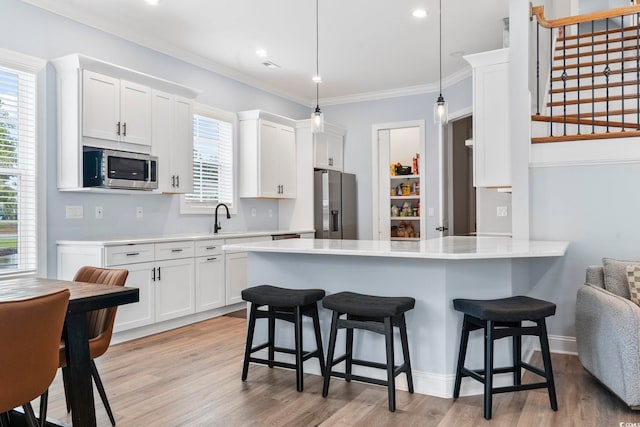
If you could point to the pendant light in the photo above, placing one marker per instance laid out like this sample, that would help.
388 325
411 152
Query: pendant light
317 118
440 109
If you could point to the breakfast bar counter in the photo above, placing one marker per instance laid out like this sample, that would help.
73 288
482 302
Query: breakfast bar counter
433 271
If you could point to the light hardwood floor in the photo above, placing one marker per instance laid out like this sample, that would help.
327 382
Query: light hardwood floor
191 377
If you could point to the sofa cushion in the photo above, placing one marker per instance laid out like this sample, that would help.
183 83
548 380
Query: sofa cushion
615 276
633 277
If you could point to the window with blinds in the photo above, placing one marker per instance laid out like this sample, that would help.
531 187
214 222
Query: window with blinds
212 162
17 171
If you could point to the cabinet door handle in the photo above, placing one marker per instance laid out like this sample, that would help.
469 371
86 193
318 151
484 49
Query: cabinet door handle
178 181
173 180
176 250
124 129
153 272
210 248
212 259
118 129
159 273
330 161
132 253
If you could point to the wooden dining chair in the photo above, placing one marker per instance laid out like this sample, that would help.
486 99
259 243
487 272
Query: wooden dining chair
100 329
30 331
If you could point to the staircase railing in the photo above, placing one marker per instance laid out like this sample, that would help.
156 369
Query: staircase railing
594 75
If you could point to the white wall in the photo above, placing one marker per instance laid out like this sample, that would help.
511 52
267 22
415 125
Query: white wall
36 32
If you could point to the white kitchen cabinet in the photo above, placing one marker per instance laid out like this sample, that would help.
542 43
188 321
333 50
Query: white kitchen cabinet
210 277
172 135
491 144
115 110
175 288
328 150
267 156
236 264
236 272
107 106
142 313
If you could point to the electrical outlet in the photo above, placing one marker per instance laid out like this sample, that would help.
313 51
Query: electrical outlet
139 212
99 212
502 211
253 212
270 213
74 212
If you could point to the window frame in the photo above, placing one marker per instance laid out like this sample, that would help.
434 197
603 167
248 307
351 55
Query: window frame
229 117
36 66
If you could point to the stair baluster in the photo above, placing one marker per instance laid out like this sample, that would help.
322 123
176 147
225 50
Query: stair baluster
622 65
578 72
607 71
551 84
564 78
593 81
537 68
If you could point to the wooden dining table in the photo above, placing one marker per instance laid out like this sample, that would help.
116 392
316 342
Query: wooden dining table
84 297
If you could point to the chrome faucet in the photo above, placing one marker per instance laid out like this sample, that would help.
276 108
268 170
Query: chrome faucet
216 225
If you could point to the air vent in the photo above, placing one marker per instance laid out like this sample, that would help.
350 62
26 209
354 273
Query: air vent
270 64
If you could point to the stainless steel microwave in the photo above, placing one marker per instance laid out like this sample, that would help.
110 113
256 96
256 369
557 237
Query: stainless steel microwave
119 169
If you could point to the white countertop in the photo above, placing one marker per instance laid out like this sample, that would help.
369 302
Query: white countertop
455 247
178 237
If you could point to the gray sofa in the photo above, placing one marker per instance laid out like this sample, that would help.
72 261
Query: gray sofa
608 335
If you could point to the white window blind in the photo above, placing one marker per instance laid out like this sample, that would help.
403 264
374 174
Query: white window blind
212 164
17 171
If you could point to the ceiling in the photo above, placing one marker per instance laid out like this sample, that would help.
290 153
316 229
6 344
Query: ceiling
366 47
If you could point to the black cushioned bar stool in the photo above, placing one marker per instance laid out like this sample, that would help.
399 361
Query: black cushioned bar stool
289 305
371 313
502 318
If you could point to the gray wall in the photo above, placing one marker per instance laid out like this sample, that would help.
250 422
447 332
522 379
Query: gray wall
36 32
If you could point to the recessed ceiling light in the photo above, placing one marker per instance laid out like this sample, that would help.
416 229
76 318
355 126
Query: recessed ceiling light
317 79
420 13
270 64
153 2
261 53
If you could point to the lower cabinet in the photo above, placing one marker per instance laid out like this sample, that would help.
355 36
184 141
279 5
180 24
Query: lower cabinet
236 281
175 279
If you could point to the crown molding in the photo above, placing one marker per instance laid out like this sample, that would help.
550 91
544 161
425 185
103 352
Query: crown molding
450 80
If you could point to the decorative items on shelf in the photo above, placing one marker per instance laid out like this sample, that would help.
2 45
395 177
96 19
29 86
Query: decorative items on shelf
416 160
406 210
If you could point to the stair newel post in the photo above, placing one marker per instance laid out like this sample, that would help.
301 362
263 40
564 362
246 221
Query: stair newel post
537 68
593 81
578 72
564 79
622 65
607 71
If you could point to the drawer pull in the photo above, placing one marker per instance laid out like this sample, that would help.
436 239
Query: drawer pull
176 250
210 248
132 253
212 259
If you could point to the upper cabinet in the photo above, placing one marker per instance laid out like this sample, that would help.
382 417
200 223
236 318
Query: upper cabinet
267 155
107 106
172 135
328 149
491 144
115 110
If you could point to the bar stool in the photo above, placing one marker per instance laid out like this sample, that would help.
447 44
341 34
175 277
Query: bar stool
289 305
502 318
371 313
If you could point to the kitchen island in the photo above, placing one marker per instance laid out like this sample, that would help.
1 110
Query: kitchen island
433 271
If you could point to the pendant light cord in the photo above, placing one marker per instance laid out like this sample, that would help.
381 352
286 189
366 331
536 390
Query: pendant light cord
318 56
440 13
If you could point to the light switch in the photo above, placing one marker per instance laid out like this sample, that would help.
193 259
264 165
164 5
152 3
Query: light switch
253 211
139 212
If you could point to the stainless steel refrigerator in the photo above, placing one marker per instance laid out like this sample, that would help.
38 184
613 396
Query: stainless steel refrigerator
335 205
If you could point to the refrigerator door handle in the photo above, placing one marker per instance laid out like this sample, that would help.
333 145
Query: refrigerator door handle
335 220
